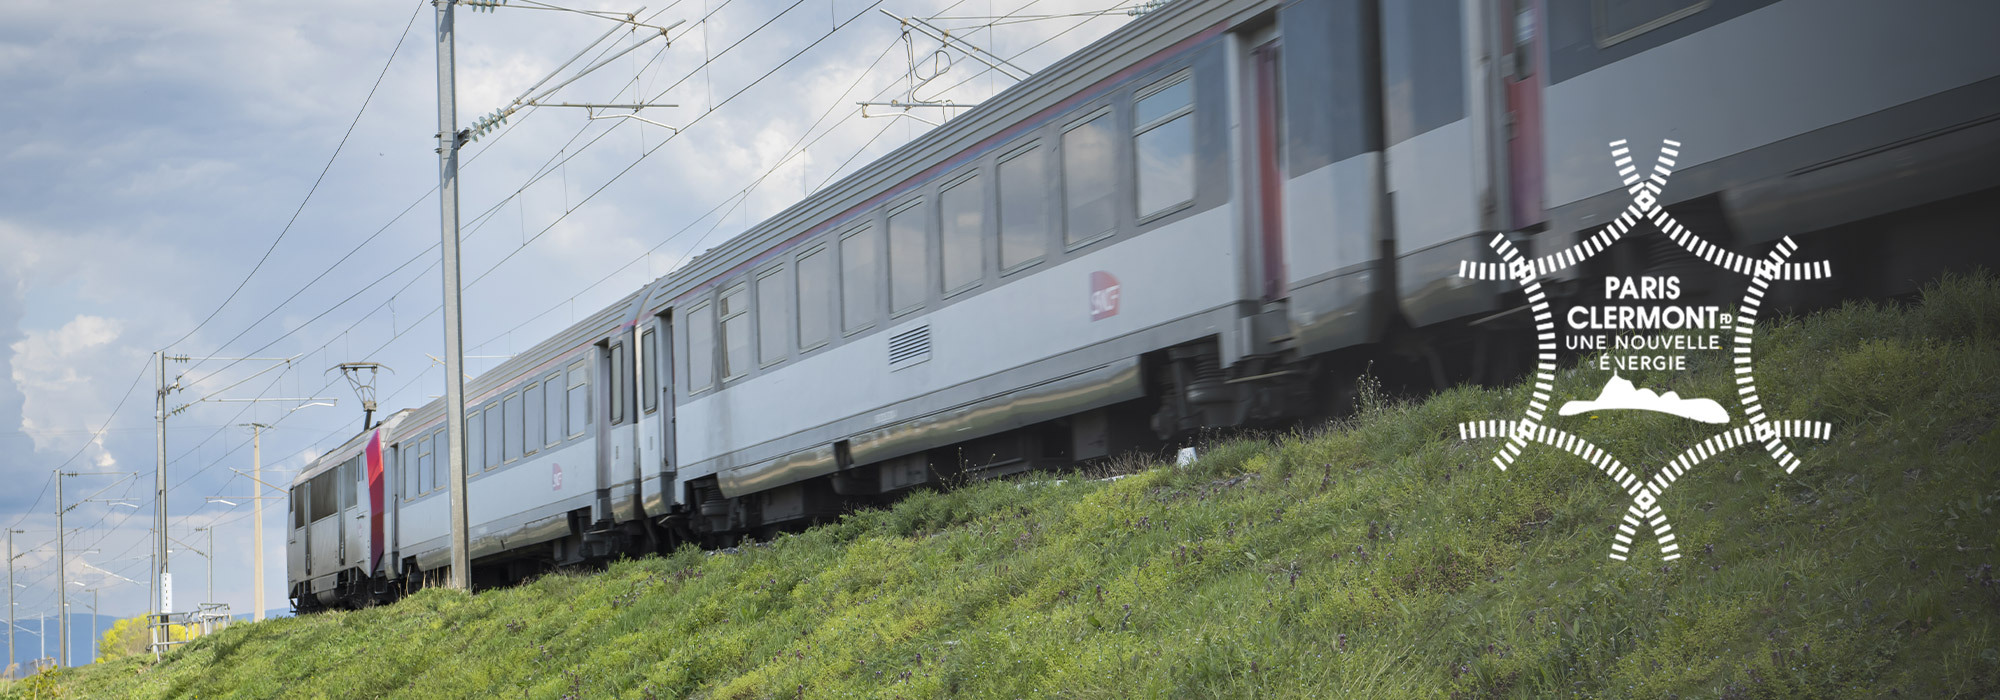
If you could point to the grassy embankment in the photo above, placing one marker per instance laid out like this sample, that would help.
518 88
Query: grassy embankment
1380 557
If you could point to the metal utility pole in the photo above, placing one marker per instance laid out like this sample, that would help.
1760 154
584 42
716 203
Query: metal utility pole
62 561
163 601
10 597
62 579
449 140
162 597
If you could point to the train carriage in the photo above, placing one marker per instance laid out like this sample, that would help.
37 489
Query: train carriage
1213 216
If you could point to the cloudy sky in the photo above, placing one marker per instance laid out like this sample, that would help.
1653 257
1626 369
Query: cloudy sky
229 178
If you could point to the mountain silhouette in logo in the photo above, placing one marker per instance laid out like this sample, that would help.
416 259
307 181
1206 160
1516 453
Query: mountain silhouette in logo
1620 395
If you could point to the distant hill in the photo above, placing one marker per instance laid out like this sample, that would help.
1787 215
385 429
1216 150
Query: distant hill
1382 556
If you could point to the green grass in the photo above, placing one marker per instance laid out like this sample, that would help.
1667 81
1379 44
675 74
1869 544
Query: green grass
1379 557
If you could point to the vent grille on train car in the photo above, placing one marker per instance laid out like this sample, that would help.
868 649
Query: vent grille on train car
910 347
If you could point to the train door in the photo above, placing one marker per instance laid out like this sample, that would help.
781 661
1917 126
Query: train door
1523 81
1267 160
664 369
353 517
298 560
601 377
624 422
656 411
616 471
392 510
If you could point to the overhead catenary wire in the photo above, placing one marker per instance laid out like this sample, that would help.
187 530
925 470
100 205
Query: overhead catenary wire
878 134
547 168
738 201
790 154
296 211
628 168
719 104
487 147
478 222
738 93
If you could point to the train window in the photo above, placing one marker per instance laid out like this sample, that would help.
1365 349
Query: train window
440 458
860 275
516 430
1163 100
649 388
324 495
552 415
1024 213
961 227
734 309
298 507
475 439
1423 71
1163 146
496 434
579 398
349 473
425 475
701 348
620 376
772 338
407 456
531 418
909 257
1089 180
1618 20
815 277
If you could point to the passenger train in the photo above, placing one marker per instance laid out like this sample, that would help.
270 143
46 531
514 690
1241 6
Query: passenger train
1214 216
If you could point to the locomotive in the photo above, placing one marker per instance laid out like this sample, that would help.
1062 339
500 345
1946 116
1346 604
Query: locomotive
1214 216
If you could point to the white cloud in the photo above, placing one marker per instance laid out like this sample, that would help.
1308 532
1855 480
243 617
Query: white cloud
56 411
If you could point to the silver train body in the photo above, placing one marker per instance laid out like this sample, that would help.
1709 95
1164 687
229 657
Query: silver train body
1204 219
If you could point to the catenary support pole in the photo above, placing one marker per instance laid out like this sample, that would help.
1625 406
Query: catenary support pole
454 350
161 581
62 578
256 520
10 602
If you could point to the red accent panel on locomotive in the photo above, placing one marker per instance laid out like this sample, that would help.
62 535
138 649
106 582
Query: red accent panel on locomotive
375 502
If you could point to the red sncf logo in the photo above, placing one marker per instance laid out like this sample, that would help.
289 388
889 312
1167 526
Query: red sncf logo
1103 295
